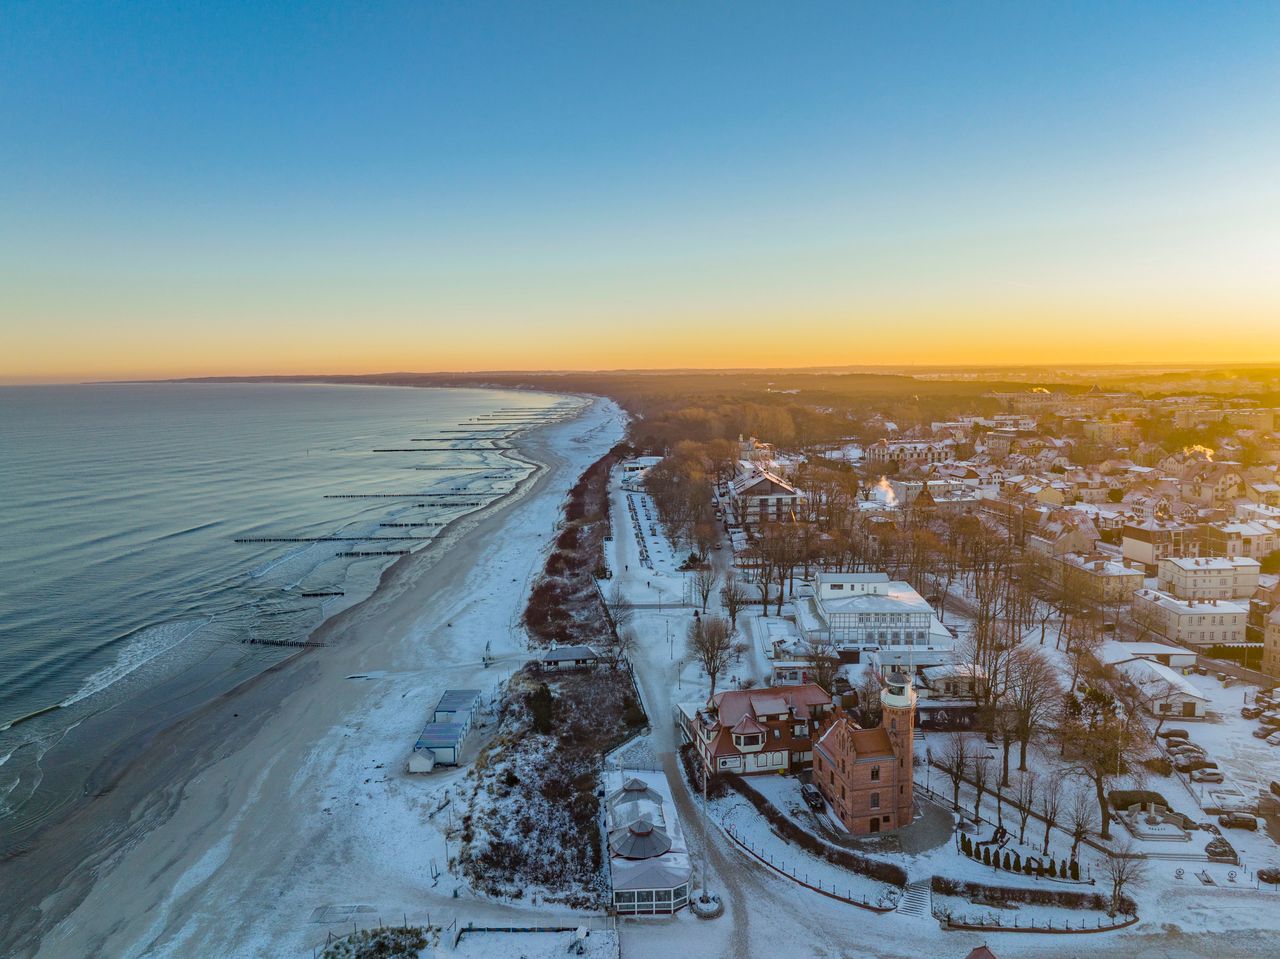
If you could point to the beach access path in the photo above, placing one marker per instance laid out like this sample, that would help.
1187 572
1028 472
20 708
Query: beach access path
283 811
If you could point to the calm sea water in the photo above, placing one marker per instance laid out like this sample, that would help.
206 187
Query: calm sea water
122 586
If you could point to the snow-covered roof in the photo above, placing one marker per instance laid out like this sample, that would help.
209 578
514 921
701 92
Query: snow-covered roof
560 654
1222 563
1217 607
1158 682
1113 652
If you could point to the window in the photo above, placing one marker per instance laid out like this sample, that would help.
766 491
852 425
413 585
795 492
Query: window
777 734
875 774
875 800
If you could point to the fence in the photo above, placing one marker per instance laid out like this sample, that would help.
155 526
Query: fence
950 923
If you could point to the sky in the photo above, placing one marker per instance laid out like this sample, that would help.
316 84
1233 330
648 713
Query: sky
256 188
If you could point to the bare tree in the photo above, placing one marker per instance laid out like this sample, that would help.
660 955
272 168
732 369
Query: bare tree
1082 815
823 662
1033 693
979 783
1102 742
1050 804
705 581
620 611
710 645
733 597
954 762
1025 796
1124 869
869 698
618 646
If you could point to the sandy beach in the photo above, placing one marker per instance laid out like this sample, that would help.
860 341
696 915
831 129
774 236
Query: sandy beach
282 810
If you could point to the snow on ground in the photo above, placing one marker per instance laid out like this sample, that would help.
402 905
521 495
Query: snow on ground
595 944
741 821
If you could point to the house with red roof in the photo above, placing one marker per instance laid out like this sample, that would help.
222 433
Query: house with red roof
767 730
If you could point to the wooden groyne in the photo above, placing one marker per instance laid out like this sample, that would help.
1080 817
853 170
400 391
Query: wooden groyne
376 552
282 642
319 539
409 524
317 595
394 495
31 715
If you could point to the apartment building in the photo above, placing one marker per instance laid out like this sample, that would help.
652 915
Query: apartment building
1209 577
1189 621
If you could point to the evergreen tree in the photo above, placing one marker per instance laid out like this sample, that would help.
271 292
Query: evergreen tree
986 855
1053 868
1075 870
1005 864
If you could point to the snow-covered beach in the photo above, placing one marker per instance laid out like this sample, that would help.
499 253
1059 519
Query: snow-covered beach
282 810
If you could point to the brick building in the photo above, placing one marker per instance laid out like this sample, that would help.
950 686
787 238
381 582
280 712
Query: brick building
865 774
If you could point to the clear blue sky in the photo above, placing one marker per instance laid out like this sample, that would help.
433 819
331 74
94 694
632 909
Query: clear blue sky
248 187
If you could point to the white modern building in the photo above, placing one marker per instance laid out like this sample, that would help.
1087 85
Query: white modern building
1189 621
1210 577
869 613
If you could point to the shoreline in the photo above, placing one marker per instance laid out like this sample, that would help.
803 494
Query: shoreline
142 787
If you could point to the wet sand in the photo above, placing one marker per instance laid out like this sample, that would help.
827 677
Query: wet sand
231 827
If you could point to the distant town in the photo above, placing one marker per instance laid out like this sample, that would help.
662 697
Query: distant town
1007 671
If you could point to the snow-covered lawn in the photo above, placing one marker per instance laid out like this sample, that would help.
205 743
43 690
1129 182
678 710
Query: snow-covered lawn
741 820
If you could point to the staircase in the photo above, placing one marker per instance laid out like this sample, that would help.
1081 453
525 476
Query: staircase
917 899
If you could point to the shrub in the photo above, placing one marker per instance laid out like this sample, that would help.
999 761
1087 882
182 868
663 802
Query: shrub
1009 896
885 872
1053 868
1124 798
986 855
1158 765
1017 862
1075 870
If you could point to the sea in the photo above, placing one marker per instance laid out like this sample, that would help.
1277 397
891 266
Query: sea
160 543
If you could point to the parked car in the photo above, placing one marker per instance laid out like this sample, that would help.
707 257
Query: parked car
1251 712
1187 764
1238 820
1273 739
1269 874
811 796
1173 732
1262 732
1206 775
1186 749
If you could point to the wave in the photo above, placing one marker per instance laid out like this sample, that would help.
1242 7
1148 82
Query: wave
147 645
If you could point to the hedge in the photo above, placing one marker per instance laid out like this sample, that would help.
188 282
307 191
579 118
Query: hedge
1124 798
1007 895
886 872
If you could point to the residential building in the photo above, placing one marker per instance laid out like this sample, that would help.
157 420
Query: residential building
766 730
1189 621
1255 538
759 496
1110 432
1063 532
1271 645
1152 540
1097 577
1209 577
902 452
865 774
